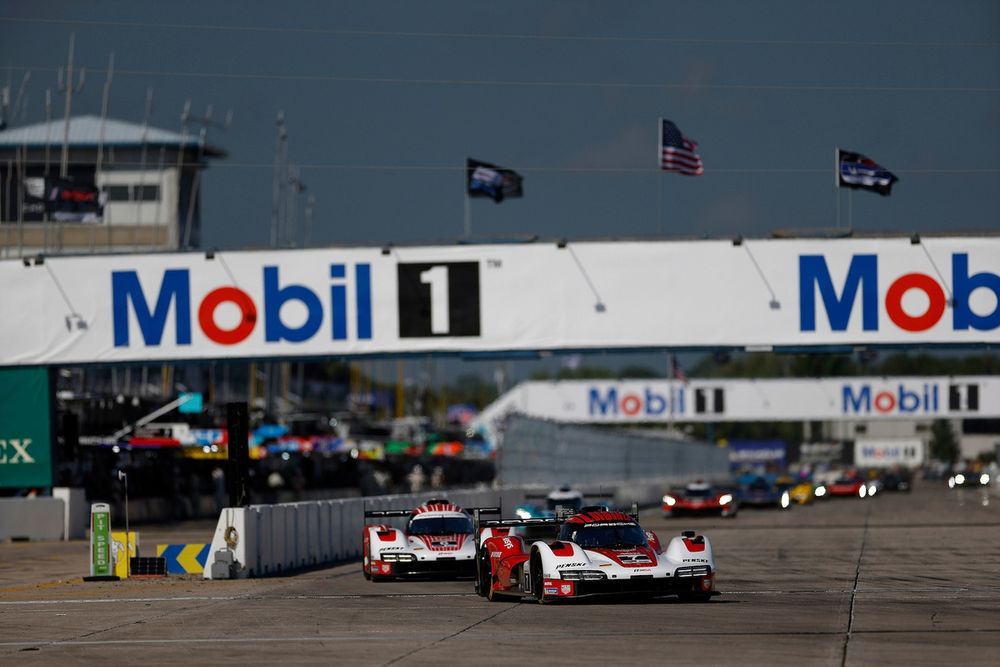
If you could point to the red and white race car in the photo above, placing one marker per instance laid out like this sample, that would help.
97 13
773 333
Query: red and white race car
597 552
437 541
700 498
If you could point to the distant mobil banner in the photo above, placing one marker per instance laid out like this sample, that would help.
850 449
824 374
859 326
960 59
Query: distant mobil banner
886 452
25 429
755 453
728 400
767 294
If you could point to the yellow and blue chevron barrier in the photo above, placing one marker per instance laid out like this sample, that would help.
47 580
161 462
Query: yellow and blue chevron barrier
184 558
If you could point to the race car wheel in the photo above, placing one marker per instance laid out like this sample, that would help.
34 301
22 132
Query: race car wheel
484 583
537 579
365 572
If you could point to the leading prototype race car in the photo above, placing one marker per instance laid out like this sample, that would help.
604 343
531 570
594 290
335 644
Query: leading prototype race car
437 541
597 552
700 498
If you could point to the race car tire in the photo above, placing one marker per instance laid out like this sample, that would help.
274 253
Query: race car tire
537 579
694 597
364 571
484 582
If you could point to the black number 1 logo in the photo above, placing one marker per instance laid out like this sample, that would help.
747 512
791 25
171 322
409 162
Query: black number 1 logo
438 299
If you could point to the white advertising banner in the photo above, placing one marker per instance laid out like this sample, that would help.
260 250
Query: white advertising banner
888 452
758 294
738 400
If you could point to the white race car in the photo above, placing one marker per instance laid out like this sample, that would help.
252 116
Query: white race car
597 552
437 541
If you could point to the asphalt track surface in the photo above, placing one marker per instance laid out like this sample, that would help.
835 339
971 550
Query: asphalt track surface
903 579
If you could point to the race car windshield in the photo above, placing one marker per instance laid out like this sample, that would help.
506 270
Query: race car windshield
698 493
448 525
620 535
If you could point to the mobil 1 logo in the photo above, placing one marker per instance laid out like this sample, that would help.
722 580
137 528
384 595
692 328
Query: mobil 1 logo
438 299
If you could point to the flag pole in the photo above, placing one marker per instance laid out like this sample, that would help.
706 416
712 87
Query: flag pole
659 168
468 215
850 211
836 180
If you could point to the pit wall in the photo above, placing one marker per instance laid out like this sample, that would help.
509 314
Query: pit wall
267 540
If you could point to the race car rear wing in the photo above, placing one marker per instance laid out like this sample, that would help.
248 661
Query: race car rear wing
586 494
394 513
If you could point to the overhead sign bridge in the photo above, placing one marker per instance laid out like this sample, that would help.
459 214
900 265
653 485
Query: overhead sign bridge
502 299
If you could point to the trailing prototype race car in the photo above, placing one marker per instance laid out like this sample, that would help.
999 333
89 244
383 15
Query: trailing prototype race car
562 500
437 541
968 478
762 492
700 498
596 552
847 486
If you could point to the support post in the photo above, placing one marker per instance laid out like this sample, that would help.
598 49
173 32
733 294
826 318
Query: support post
238 431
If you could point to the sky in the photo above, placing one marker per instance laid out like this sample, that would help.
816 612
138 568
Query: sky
384 101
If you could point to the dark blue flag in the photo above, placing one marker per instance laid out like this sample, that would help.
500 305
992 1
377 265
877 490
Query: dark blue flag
483 179
859 172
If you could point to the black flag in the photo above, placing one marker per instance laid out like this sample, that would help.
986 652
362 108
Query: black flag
483 179
857 171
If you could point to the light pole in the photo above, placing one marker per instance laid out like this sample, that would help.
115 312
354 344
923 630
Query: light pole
123 477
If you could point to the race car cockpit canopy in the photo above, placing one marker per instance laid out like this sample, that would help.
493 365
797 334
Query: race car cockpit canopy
439 525
603 529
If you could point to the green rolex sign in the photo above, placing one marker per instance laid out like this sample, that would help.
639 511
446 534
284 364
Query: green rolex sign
25 428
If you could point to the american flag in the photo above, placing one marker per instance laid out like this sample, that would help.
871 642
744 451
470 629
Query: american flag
677 151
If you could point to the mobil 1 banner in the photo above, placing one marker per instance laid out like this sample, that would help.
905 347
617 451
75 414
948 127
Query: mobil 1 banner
504 298
748 400
25 428
888 452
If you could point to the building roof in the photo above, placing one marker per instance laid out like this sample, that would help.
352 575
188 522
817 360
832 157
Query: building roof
85 132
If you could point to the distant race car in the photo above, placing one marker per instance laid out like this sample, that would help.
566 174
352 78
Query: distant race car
897 480
565 499
967 479
762 492
700 498
596 552
437 540
847 486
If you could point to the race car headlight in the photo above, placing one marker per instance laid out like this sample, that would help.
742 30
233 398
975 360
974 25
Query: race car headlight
785 499
580 575
984 479
820 491
959 478
951 482
669 500
398 558
863 491
872 489
522 513
725 499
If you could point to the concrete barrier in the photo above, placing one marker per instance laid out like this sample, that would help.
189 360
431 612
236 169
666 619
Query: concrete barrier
266 540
